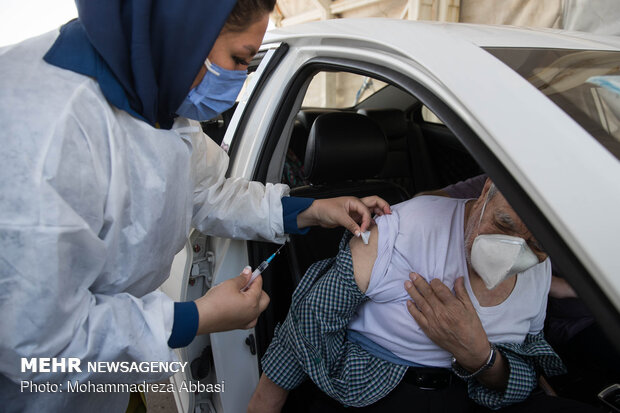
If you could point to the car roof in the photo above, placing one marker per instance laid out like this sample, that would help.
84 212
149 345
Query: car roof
384 31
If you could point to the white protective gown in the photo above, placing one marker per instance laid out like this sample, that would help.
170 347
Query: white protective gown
94 204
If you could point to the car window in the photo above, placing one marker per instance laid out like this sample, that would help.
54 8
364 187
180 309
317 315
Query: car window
259 66
429 116
584 84
337 90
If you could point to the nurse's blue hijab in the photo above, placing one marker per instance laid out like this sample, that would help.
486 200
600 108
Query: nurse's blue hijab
144 54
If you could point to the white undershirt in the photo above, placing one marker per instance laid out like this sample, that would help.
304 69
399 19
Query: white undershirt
426 235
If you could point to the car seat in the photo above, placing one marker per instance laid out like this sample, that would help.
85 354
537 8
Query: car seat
344 155
394 125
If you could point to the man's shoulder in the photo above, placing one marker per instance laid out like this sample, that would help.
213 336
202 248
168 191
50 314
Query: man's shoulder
539 274
426 215
428 206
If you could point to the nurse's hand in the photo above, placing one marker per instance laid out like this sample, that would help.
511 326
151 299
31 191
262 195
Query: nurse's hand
224 307
347 211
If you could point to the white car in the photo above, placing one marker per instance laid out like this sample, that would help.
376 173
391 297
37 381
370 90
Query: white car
537 110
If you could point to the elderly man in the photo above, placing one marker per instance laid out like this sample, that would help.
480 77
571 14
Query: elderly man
350 326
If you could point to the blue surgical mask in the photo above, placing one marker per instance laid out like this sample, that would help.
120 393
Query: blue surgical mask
215 94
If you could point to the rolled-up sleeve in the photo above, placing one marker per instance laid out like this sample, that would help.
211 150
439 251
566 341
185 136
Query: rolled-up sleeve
526 362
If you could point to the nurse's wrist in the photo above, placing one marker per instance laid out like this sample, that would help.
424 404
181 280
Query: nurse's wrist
205 314
308 217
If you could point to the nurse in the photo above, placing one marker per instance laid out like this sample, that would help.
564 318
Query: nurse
102 174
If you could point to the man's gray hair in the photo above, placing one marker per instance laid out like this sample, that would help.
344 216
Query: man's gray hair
492 191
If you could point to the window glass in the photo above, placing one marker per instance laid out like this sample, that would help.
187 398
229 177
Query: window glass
584 84
337 90
429 116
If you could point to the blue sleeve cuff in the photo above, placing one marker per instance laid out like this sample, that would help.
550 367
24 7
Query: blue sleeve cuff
291 207
185 325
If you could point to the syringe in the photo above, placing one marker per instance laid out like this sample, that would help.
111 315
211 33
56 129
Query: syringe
262 267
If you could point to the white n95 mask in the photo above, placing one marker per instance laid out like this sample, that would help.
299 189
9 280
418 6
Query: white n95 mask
496 257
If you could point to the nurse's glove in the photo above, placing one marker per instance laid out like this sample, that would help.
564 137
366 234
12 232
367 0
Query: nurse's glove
350 212
224 307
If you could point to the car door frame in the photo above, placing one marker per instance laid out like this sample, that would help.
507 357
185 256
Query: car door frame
195 270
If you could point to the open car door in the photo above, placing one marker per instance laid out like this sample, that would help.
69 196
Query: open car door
223 366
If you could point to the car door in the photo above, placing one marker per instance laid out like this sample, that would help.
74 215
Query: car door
223 366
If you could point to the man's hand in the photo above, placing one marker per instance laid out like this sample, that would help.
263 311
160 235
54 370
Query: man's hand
449 320
452 323
224 307
346 211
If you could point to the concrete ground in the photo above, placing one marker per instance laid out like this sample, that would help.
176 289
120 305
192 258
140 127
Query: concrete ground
160 402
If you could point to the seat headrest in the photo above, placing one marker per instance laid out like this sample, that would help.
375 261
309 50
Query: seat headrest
391 121
344 146
307 116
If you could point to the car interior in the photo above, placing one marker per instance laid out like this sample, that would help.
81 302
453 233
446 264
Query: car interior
382 141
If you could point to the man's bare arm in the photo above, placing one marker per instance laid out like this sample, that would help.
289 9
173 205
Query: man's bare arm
364 257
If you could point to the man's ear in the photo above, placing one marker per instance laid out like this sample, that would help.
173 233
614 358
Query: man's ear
487 186
485 190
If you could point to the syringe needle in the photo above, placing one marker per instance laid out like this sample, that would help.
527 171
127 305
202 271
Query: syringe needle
262 267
